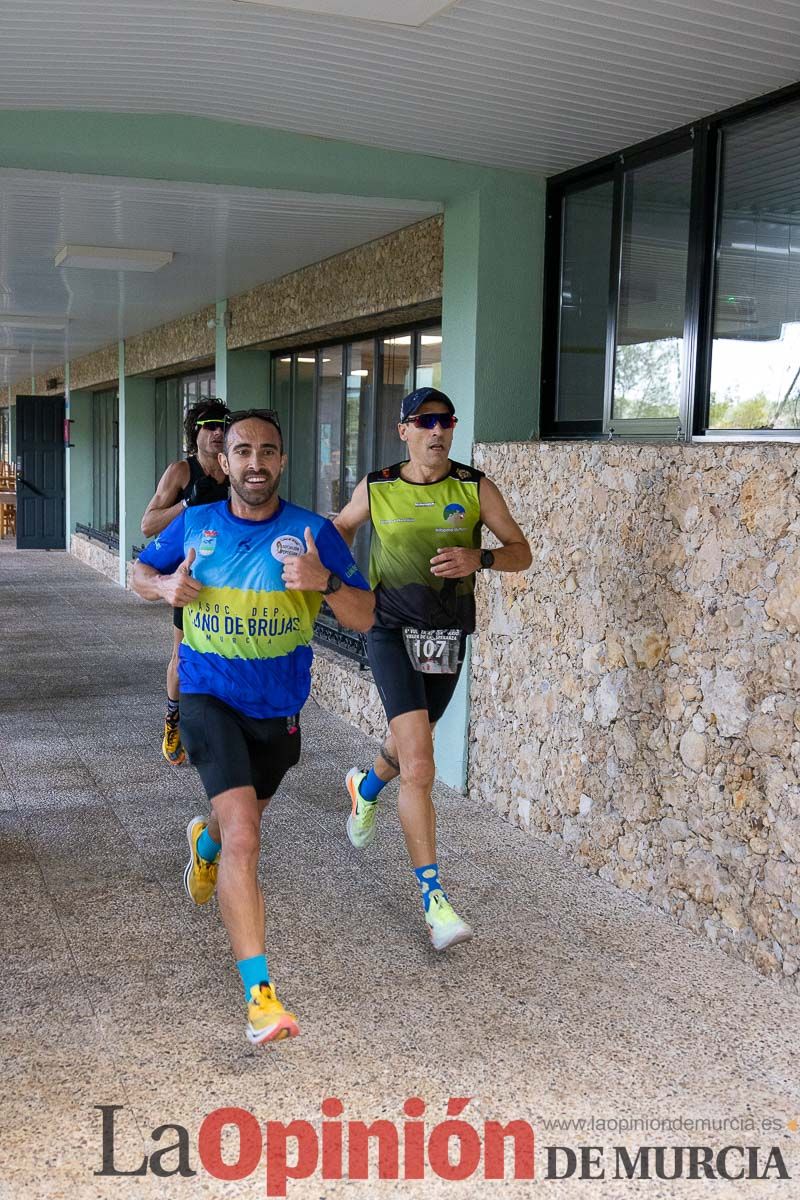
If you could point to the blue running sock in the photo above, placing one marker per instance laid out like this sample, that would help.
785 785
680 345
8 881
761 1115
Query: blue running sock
371 787
207 848
253 972
428 880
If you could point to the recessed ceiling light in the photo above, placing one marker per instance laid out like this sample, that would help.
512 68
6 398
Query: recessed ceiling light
22 322
112 258
301 359
398 341
407 12
359 372
431 339
285 360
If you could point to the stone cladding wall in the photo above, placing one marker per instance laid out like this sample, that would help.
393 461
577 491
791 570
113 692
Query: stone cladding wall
636 694
342 688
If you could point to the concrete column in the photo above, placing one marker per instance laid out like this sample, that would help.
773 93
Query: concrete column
221 350
247 381
136 457
78 458
491 336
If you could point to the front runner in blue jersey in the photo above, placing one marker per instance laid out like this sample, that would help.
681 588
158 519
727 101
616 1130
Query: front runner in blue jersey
249 574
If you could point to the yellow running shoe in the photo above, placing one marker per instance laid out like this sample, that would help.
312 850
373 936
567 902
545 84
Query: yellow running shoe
444 924
200 877
268 1019
361 822
171 746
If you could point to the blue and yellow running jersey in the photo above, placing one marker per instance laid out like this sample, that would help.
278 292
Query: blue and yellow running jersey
246 639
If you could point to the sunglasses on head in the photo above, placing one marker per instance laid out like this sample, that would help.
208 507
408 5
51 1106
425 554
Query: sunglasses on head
244 414
430 420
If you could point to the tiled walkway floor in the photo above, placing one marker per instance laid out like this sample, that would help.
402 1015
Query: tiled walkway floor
573 1001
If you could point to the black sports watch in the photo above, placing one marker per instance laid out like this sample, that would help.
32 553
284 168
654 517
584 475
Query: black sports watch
487 559
334 583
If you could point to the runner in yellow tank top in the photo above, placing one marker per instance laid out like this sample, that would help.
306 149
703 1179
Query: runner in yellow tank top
426 516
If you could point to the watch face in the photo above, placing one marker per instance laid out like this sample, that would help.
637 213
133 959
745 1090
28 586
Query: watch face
487 558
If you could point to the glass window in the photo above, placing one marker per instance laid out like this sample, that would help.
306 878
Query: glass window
648 363
396 376
105 461
585 267
300 441
755 356
5 436
359 410
329 429
281 401
429 359
173 395
169 424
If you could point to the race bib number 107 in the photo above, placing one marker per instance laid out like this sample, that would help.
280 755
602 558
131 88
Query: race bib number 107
433 651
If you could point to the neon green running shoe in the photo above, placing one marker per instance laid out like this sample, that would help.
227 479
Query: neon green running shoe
444 924
361 822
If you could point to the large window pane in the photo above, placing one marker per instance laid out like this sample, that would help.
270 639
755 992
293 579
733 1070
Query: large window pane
169 425
358 413
429 359
301 449
329 429
281 401
648 367
755 364
585 266
396 353
105 461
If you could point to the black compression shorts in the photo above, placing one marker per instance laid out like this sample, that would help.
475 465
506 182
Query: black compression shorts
177 618
232 750
402 689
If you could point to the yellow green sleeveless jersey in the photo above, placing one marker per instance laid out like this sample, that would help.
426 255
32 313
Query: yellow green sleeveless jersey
410 523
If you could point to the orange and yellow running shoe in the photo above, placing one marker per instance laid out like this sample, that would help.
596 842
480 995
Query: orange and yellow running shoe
268 1020
171 746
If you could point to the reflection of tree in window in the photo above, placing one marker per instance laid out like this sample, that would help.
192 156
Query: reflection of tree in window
755 365
652 298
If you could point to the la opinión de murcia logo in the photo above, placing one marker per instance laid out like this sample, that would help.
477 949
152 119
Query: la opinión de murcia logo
410 1148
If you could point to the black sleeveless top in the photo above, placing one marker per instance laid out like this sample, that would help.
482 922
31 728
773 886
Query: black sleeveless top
218 492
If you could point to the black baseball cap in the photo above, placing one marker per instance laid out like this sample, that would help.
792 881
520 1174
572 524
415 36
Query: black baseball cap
415 400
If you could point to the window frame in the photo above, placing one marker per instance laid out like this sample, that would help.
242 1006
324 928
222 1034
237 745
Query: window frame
705 137
376 335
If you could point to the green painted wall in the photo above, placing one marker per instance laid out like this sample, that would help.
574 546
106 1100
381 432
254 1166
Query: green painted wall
198 149
79 459
491 322
137 425
491 311
247 379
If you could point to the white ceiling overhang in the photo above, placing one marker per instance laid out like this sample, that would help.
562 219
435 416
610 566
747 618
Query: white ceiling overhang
224 241
540 85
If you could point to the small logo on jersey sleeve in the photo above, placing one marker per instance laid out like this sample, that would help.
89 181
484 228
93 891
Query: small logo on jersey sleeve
208 542
455 514
287 546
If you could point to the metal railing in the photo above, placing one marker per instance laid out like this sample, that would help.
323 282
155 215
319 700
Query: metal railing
328 632
104 536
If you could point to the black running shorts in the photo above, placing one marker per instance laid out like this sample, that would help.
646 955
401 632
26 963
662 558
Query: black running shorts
177 618
232 750
402 689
